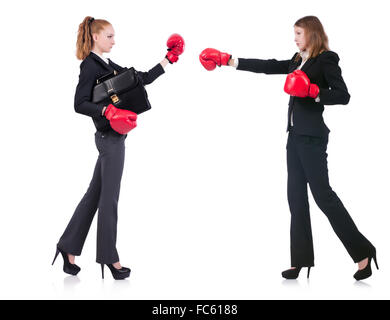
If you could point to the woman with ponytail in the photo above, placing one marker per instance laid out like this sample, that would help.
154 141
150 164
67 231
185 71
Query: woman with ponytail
96 37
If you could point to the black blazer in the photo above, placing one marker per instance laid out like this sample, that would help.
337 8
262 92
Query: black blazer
92 68
322 70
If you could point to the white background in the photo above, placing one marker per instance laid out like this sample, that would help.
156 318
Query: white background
203 210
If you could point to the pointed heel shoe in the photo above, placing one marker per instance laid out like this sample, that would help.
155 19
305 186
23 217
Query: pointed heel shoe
294 273
117 274
366 272
68 268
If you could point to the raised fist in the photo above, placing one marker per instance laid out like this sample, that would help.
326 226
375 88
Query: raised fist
210 58
175 46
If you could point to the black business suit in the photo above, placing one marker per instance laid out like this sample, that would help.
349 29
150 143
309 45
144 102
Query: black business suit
103 190
307 157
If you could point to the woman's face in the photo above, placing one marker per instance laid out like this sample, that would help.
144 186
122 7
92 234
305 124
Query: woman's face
104 40
300 38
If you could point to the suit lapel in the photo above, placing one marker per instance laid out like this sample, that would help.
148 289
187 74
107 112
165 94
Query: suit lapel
115 66
294 64
102 63
307 64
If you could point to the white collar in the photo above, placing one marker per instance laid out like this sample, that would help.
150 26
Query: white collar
304 54
103 58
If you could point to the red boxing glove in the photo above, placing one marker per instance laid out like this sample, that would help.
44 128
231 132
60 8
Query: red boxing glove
122 121
298 85
175 46
210 58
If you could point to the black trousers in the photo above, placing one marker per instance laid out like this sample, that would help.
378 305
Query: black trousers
102 195
307 164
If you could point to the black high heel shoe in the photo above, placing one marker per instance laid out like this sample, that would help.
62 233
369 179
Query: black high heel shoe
69 268
117 274
366 272
294 273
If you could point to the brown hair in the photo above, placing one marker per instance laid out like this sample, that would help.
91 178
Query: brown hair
84 42
315 35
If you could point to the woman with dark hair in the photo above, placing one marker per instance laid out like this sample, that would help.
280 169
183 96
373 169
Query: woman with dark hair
95 37
314 79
